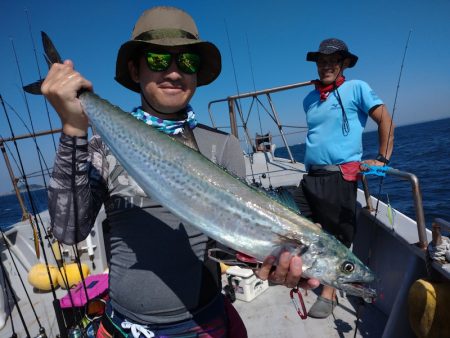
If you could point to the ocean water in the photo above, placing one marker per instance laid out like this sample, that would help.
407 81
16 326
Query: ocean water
422 149
10 211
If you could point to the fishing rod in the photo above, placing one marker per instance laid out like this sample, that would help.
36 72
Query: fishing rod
33 135
392 118
259 115
27 106
239 104
19 163
374 227
52 56
11 291
21 281
5 292
40 76
35 229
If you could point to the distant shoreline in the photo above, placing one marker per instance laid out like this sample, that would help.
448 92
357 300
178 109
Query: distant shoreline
22 189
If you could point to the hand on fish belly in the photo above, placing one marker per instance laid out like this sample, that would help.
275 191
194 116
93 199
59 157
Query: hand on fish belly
287 271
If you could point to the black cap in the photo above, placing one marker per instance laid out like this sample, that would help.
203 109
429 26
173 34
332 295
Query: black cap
331 46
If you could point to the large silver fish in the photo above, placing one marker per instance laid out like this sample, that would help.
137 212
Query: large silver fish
220 205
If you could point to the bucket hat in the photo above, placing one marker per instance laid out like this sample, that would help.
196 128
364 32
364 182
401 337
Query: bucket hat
167 26
331 46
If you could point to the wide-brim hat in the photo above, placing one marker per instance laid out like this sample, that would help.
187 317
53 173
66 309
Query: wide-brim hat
331 46
167 26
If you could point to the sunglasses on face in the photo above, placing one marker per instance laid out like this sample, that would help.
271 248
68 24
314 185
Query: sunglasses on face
188 63
328 62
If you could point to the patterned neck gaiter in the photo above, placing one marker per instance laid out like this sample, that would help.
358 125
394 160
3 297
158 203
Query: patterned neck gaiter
169 127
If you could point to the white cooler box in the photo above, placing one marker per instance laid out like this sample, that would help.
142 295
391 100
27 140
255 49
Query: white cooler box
245 284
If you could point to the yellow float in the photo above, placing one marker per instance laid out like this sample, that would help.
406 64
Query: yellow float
428 308
38 276
71 273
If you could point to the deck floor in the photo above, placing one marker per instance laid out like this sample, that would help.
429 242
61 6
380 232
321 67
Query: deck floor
272 314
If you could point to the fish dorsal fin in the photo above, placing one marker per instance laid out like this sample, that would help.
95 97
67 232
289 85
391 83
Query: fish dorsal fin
282 196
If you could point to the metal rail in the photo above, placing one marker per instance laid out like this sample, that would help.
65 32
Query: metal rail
417 196
231 100
15 180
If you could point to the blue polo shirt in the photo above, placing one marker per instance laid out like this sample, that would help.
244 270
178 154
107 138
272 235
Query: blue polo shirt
325 141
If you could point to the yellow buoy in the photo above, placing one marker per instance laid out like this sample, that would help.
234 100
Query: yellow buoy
38 277
70 274
428 308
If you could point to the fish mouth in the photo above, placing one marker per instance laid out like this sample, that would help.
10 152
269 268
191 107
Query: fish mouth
358 289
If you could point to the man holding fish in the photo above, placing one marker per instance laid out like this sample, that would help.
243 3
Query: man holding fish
161 282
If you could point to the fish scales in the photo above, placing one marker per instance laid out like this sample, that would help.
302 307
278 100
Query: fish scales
208 197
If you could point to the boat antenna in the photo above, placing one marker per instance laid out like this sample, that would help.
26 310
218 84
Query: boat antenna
40 76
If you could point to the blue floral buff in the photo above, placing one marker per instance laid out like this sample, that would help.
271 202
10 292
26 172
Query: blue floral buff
168 127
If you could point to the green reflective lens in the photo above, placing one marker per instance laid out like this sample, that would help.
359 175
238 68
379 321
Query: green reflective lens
158 62
188 63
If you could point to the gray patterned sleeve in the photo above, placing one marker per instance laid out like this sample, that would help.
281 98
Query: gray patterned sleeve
77 187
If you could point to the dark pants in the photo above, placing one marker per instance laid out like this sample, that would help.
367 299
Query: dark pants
326 198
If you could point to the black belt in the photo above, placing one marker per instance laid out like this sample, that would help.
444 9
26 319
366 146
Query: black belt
326 167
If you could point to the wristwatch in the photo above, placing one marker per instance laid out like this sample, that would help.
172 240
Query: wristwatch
381 158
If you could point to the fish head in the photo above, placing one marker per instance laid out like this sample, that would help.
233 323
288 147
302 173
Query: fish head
335 265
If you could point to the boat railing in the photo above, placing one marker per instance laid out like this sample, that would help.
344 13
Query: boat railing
15 180
234 107
417 197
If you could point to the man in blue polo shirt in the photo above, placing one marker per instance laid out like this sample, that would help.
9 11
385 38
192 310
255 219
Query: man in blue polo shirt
336 114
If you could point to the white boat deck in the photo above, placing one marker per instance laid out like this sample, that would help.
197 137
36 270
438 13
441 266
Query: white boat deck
272 314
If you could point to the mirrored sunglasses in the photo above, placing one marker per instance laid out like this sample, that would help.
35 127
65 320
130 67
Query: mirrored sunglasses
188 63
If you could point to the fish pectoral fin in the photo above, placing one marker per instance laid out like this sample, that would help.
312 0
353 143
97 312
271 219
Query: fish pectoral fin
292 244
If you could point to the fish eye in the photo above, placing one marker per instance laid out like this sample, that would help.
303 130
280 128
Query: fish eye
347 267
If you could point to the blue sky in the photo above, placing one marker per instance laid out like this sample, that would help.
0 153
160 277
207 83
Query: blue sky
268 39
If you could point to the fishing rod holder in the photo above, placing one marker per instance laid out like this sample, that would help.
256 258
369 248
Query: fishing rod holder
417 197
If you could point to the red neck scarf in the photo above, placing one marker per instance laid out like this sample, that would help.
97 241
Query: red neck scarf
325 90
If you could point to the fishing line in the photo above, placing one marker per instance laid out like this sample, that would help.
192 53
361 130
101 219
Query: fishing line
47 169
5 292
239 104
8 284
392 119
31 200
20 277
253 81
21 169
40 77
257 109
27 106
374 227
76 220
